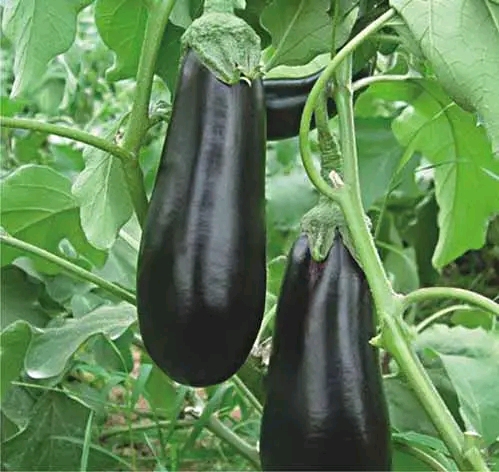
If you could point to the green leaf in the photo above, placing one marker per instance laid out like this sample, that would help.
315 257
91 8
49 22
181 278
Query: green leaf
477 388
168 59
36 448
121 265
50 351
452 37
39 31
473 318
121 25
14 341
161 393
185 12
471 359
466 174
300 30
105 203
37 207
379 156
406 412
422 234
27 147
289 196
19 300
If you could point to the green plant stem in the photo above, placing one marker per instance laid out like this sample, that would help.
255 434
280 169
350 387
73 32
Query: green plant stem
322 81
226 434
68 267
388 304
394 337
139 118
421 455
439 314
241 386
67 132
117 430
351 201
366 81
433 293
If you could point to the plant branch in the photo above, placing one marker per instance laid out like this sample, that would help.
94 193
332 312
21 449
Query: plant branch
226 434
69 267
116 430
373 79
240 385
67 132
421 455
139 117
388 304
435 293
322 81
440 314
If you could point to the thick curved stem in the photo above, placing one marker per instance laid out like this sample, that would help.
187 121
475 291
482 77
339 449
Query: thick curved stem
139 116
66 132
433 293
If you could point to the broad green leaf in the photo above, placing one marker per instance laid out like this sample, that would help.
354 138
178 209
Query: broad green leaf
300 30
14 341
471 360
51 350
406 412
185 12
466 174
379 156
19 300
422 234
38 447
39 31
471 343
121 265
101 190
289 197
460 40
473 318
160 393
121 25
37 207
18 404
167 63
477 386
27 147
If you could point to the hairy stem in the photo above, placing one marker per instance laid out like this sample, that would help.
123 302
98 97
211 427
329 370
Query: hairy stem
68 267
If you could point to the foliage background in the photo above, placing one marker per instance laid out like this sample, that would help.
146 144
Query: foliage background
77 388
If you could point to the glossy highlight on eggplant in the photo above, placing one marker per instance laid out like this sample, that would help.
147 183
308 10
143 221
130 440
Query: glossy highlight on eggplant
201 270
285 100
325 407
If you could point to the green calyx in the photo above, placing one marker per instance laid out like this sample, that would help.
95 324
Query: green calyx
225 44
320 225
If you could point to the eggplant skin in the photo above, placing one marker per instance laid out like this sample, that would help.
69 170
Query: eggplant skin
285 100
201 270
325 407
